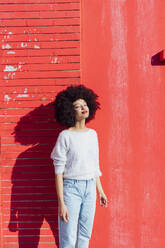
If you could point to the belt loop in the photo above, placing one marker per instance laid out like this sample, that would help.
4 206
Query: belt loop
75 181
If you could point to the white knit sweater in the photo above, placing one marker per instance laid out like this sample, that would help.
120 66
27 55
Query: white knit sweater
76 154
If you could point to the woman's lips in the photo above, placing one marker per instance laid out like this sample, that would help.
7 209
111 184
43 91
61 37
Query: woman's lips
84 112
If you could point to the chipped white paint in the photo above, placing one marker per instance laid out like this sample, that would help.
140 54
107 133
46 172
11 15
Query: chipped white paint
35 39
10 68
7 46
5 77
54 61
21 62
10 32
10 52
9 76
12 75
22 95
23 44
25 90
36 47
19 67
7 98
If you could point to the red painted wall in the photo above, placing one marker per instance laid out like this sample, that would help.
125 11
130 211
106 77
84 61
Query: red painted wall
40 55
121 44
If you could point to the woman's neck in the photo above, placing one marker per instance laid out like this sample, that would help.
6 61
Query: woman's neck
79 126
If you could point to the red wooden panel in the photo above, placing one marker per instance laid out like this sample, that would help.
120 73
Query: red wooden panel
40 55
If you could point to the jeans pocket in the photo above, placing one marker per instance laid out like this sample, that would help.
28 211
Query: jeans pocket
68 183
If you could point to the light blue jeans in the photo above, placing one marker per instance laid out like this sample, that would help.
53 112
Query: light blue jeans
80 199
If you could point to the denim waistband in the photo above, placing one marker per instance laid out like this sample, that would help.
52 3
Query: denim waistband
79 180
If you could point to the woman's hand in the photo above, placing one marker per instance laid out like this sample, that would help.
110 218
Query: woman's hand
63 212
103 199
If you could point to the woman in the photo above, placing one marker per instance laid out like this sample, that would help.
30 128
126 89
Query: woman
76 161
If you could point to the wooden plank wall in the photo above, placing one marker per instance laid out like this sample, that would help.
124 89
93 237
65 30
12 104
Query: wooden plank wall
40 55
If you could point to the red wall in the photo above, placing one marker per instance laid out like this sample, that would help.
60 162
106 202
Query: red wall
40 55
121 59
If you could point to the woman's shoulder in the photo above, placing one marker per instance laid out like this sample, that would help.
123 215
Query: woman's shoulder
63 132
66 132
93 130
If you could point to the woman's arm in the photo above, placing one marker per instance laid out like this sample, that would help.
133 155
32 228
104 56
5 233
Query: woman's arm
63 212
102 197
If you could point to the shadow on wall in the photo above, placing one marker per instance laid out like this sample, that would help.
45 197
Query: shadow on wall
33 197
158 58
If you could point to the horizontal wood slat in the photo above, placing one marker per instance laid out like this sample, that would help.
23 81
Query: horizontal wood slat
40 67
39 30
38 14
39 23
31 2
41 52
39 37
39 7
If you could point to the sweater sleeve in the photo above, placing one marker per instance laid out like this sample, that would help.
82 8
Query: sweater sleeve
98 172
59 153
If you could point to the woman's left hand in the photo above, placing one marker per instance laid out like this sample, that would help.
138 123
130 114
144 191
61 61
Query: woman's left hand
103 199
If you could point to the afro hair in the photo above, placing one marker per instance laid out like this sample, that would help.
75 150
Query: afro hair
63 104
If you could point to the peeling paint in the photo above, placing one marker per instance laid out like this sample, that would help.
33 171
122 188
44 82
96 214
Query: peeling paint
7 98
10 32
25 90
36 47
10 75
10 68
10 52
55 60
23 44
5 77
22 95
7 46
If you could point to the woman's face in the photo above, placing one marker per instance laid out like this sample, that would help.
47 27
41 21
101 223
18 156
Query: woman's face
81 109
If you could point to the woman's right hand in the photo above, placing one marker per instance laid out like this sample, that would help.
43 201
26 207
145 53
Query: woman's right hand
63 212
